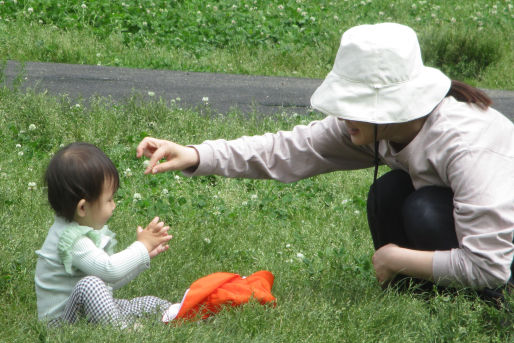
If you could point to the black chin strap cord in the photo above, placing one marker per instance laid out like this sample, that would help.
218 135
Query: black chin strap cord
376 155
374 186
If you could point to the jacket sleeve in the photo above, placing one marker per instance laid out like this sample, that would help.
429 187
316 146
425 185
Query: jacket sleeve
117 269
320 147
483 186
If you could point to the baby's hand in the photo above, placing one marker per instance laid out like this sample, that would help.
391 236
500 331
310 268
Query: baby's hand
154 237
158 250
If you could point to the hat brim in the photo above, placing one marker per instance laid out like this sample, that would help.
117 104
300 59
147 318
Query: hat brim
395 103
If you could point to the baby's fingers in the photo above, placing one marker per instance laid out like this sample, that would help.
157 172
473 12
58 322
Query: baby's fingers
162 231
155 225
164 239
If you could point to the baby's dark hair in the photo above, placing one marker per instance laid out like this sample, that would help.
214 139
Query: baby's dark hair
78 171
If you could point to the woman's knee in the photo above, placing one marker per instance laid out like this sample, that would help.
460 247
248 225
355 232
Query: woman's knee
428 218
390 183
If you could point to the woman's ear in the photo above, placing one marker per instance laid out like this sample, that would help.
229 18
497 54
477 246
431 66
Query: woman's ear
81 208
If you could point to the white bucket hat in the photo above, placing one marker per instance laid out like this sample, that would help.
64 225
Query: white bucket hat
378 77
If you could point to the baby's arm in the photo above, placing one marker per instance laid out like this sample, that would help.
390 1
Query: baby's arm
126 264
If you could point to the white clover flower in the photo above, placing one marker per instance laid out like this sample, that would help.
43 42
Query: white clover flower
336 17
150 93
300 255
32 186
312 19
453 20
178 98
30 10
146 163
381 13
288 245
205 99
357 212
20 153
344 202
83 6
253 196
280 7
18 145
165 191
77 105
233 21
32 127
128 172
207 240
98 54
137 197
177 177
145 23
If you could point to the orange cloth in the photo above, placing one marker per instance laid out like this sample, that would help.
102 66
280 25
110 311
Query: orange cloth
206 295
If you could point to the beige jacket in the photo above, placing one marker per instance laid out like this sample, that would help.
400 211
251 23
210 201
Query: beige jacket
461 147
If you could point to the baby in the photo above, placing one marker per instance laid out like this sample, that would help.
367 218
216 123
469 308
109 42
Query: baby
77 268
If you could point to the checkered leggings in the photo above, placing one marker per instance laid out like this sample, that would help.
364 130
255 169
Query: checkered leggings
92 300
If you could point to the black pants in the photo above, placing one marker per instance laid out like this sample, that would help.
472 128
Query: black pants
417 219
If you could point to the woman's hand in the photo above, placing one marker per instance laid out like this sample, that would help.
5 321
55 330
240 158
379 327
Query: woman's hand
178 157
391 260
382 264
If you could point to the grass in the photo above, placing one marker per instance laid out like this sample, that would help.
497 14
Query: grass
328 295
470 40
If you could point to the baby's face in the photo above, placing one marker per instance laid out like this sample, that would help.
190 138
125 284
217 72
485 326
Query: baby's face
99 212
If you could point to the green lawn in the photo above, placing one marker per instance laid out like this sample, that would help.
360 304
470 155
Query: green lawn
470 40
311 234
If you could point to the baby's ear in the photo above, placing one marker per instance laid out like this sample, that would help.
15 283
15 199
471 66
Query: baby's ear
80 211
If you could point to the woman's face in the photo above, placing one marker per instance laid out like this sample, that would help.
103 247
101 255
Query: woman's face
360 132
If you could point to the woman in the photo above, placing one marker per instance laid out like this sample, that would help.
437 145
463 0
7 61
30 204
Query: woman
445 213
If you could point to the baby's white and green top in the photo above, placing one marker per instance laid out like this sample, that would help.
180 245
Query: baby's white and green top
71 252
